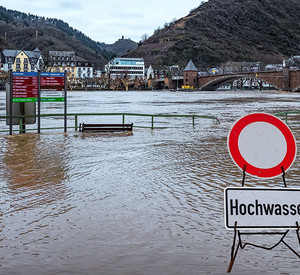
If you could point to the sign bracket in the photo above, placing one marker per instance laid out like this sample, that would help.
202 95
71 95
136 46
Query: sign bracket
297 231
244 175
240 244
283 176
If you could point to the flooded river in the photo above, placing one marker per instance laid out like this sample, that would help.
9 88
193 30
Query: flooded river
146 203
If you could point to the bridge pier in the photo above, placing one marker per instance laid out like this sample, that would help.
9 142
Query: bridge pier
286 83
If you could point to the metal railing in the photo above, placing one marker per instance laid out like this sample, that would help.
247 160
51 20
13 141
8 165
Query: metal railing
123 116
289 116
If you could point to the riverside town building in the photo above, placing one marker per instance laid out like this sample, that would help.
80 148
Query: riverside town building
76 67
57 61
60 61
129 68
21 61
84 68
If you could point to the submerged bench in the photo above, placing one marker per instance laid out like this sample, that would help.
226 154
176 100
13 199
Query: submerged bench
105 127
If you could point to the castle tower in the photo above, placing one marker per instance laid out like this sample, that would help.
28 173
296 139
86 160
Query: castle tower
190 75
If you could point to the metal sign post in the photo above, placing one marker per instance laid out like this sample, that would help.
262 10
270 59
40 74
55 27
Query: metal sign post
21 99
65 104
53 88
10 102
27 88
261 145
39 101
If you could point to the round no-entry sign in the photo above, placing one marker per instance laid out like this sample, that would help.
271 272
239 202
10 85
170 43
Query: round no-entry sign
263 143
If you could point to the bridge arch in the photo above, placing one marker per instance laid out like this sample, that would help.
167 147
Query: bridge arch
217 81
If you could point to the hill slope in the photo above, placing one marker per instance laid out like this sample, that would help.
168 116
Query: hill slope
227 30
120 47
18 31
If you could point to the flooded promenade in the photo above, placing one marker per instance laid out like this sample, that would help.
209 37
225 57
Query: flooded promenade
147 203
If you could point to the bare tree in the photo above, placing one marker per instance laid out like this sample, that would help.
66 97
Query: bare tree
144 37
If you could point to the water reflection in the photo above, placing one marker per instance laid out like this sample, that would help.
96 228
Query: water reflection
35 163
33 174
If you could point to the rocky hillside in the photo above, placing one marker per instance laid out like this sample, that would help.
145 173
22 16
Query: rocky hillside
227 30
24 31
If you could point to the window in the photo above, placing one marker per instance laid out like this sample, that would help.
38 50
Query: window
32 67
26 60
18 60
25 67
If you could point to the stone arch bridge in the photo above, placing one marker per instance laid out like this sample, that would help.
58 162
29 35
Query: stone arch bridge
285 80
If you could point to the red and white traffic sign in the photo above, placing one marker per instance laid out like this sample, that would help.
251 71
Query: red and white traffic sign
263 143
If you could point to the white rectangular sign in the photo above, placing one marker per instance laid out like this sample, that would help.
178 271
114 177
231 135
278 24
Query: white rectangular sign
261 208
50 93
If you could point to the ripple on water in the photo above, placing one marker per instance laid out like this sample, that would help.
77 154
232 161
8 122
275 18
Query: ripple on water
147 203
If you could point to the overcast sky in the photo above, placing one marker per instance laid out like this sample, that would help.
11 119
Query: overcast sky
106 21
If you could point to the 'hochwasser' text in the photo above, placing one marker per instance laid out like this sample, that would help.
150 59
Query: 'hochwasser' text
261 209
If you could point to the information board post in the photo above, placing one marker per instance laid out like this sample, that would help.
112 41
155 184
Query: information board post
27 88
53 89
65 105
39 101
10 102
22 126
22 99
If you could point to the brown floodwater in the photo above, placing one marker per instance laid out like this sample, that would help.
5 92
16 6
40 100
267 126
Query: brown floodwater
146 203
